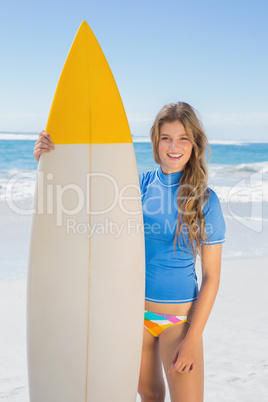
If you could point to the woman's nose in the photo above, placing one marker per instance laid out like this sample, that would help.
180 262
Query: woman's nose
174 144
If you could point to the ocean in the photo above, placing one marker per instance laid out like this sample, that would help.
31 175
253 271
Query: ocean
238 173
236 169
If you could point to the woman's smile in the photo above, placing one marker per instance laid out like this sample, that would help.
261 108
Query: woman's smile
174 156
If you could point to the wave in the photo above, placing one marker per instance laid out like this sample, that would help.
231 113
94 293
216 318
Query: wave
239 169
13 136
33 137
235 142
17 184
244 194
211 142
240 183
136 139
141 139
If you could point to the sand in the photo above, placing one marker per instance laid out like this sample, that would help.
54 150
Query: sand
235 338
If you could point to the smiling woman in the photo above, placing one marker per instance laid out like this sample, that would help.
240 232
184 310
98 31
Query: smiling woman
182 217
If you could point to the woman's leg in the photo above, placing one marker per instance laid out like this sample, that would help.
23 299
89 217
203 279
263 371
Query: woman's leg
151 382
188 387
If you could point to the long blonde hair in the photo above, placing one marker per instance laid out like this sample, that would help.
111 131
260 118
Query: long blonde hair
193 192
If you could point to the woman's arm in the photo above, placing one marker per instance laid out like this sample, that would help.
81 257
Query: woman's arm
43 144
211 269
184 360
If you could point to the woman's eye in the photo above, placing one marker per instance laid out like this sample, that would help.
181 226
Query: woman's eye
164 138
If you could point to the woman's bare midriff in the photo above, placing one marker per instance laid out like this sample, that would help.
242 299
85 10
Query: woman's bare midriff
167 308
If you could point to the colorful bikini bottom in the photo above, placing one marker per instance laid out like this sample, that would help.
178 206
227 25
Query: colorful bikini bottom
156 323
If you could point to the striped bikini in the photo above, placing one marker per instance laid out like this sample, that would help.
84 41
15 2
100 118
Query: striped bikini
156 323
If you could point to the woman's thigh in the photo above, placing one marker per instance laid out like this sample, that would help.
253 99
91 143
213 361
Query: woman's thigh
187 387
151 382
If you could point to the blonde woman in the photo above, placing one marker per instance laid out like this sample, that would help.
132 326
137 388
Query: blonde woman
182 218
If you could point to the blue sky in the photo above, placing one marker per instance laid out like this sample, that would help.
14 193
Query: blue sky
210 53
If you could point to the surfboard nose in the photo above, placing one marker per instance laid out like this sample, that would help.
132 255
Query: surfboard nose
87 107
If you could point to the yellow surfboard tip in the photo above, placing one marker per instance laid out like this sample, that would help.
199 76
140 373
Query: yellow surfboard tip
84 25
87 107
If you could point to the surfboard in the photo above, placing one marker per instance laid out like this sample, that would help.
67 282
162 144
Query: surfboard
85 289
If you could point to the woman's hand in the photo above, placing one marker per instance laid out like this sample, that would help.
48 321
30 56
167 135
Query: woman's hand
185 357
42 145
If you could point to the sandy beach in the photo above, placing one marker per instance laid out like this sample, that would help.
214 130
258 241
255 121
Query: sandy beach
235 338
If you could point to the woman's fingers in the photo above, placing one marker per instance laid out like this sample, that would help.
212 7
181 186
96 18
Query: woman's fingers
43 145
176 366
45 139
181 368
186 369
45 135
192 368
185 357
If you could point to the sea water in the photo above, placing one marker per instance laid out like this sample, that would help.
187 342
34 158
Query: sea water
238 173
232 165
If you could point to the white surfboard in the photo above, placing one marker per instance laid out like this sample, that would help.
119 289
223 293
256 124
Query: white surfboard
86 261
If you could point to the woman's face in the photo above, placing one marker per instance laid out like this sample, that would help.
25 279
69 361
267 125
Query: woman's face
174 147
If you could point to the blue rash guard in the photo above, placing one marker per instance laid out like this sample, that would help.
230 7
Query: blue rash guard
172 278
